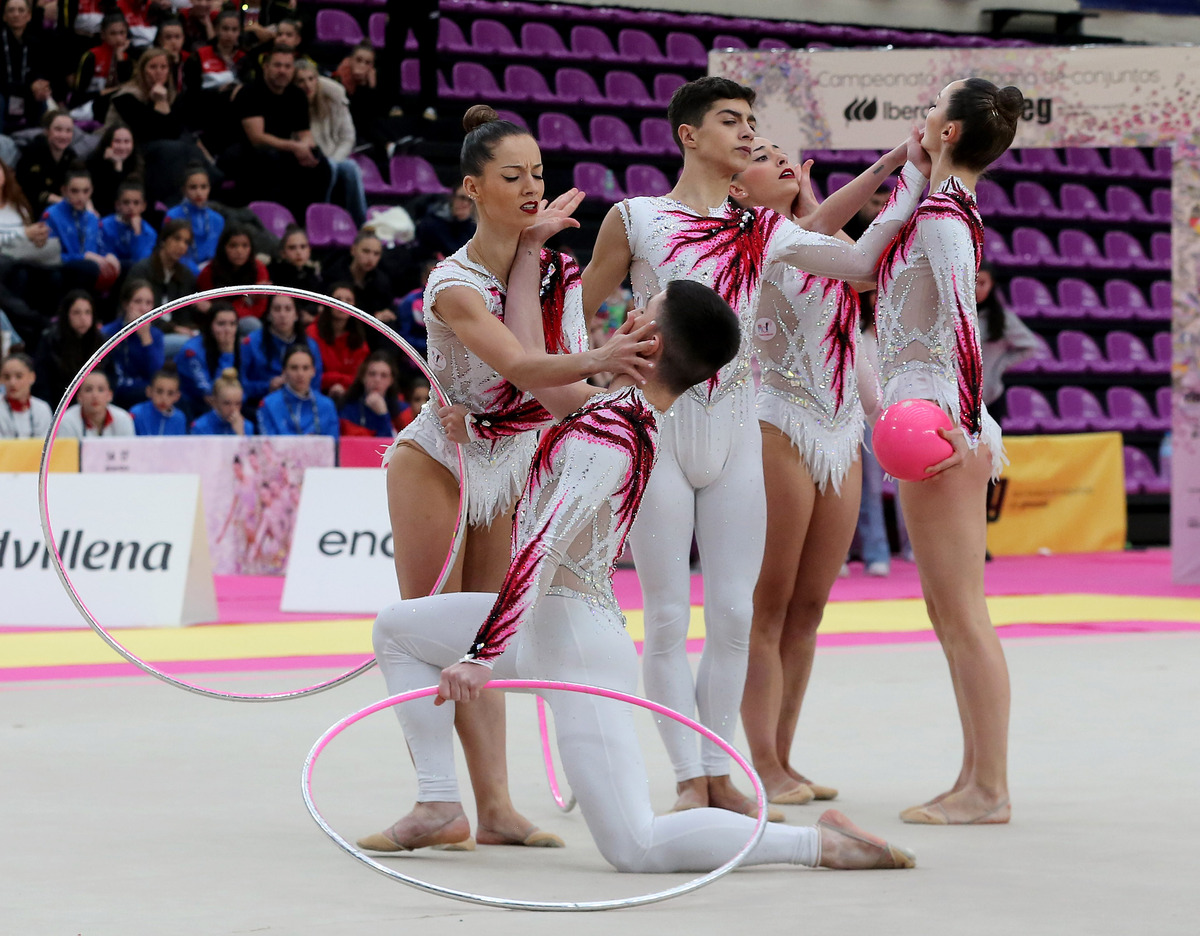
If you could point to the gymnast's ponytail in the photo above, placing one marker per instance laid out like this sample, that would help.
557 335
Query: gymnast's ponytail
485 129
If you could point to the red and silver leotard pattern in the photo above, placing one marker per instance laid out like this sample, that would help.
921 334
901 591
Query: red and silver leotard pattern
805 342
582 494
498 462
925 315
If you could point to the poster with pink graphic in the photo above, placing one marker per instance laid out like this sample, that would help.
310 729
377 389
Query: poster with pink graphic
1089 96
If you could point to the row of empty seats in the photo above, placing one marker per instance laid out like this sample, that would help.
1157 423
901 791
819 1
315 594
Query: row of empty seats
572 86
1077 298
1076 248
1141 477
1078 353
600 182
338 27
606 134
1079 410
1075 202
1124 162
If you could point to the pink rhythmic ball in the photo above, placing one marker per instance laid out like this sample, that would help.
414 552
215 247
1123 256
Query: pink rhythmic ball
906 441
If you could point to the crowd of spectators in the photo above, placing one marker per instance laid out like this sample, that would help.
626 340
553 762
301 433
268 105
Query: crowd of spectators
133 135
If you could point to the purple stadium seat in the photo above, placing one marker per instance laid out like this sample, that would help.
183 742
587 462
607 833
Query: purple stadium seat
577 87
770 43
274 217
1078 353
611 134
413 175
591 43
722 41
1125 251
835 180
995 248
1028 411
373 181
329 225
1077 299
1080 411
1042 359
657 139
338 26
1140 473
1128 409
1162 410
472 80
1126 354
1032 200
1030 298
639 48
512 117
1129 161
1032 247
1009 161
1160 204
1085 161
560 132
1123 300
646 180
1161 301
1042 160
993 200
410 76
451 38
1164 351
1077 249
489 37
377 31
543 41
1080 203
1124 204
1160 251
625 89
1162 162
597 182
685 49
665 84
525 83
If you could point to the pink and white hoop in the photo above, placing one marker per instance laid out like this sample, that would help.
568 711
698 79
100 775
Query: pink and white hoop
566 805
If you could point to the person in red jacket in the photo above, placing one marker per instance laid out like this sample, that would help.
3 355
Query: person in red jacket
234 264
342 342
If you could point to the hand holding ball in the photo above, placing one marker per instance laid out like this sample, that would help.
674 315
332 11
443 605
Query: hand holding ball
906 439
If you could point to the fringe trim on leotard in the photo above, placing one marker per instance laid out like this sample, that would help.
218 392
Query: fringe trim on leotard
827 452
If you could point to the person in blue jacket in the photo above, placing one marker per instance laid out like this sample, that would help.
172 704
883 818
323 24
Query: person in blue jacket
85 262
372 406
136 360
263 350
125 234
207 355
225 418
296 408
158 416
207 224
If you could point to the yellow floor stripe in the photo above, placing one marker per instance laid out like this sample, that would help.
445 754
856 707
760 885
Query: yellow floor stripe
319 638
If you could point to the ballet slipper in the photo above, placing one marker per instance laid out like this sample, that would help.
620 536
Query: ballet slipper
534 838
796 797
822 792
385 841
935 814
887 856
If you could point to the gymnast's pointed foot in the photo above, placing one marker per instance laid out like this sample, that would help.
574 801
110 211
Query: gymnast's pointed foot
847 847
511 828
969 806
429 825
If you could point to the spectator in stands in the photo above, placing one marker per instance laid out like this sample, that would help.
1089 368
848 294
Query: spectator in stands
342 344
200 23
165 269
447 225
206 223
294 267
280 161
285 34
143 17
114 160
28 67
263 351
296 408
103 69
66 345
225 418
95 414
208 354
125 234
372 406
213 75
171 38
136 360
372 287
1004 340
86 262
871 532
236 265
25 248
22 415
423 20
357 75
410 312
333 132
42 169
418 394
157 415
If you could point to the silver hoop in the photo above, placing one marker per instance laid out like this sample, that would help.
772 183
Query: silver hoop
103 352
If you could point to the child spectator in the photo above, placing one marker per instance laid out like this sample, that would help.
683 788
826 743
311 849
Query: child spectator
294 267
165 268
42 169
225 418
199 23
342 343
66 345
157 415
171 38
95 414
86 261
263 351
136 360
296 408
207 225
372 287
357 75
410 313
114 160
212 352
102 70
418 394
22 415
235 265
125 234
220 60
373 406
448 224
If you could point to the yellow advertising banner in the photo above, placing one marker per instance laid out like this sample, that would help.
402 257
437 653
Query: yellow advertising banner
1064 493
21 455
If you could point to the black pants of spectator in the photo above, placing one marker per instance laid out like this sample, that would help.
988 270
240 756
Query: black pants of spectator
18 280
424 19
266 174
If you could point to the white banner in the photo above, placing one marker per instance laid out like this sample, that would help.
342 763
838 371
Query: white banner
341 557
133 547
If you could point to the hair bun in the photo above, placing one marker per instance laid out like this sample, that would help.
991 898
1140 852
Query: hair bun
478 115
1010 102
229 373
